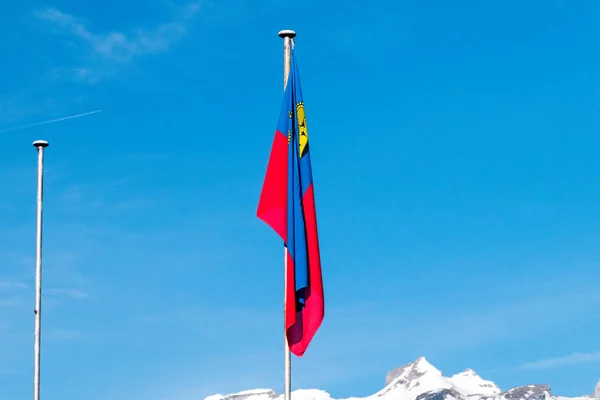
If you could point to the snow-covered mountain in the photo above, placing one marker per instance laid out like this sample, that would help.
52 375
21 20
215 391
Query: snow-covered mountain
420 380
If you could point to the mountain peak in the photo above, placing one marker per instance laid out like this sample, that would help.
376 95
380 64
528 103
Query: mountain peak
470 382
259 394
413 380
422 364
412 370
420 380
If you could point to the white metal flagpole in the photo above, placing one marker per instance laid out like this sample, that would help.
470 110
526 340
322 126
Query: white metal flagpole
39 145
287 355
287 36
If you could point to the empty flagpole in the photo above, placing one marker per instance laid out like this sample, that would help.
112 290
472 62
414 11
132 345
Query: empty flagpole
39 145
287 36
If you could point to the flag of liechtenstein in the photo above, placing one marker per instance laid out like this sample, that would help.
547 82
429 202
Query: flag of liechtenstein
287 204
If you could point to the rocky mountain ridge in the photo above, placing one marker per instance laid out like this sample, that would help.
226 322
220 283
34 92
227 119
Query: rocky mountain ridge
420 380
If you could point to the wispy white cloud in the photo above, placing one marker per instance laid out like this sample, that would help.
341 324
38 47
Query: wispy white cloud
12 302
120 46
15 107
71 293
9 285
6 371
74 74
211 322
554 362
89 198
55 334
11 295
446 329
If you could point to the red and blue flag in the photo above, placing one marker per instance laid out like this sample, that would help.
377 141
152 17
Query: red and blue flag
287 204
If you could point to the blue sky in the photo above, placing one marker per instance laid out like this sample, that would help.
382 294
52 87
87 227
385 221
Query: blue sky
455 155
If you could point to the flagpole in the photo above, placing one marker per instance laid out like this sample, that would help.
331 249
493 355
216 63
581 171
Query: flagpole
39 145
287 36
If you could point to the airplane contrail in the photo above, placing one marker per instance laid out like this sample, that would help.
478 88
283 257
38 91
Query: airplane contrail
47 122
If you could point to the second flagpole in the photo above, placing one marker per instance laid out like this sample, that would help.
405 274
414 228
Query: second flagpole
287 36
40 145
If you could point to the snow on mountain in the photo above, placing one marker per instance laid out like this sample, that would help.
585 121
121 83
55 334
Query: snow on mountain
597 391
528 392
310 394
267 394
412 380
470 383
256 394
420 380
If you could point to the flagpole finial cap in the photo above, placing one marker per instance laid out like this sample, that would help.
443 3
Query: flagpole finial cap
40 143
287 33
